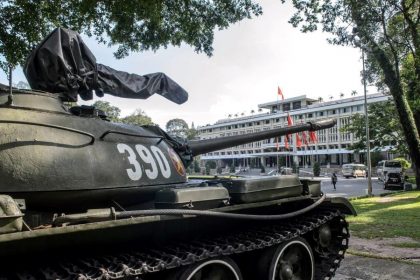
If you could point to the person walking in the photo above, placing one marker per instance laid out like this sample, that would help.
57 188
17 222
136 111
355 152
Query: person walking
334 179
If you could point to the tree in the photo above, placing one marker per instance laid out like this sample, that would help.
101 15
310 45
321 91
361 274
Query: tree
405 164
387 31
316 169
192 133
177 128
139 118
384 129
210 164
113 112
131 25
353 93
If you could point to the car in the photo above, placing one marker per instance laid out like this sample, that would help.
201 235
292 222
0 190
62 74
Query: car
387 166
353 170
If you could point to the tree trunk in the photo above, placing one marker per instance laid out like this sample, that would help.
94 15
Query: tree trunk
404 111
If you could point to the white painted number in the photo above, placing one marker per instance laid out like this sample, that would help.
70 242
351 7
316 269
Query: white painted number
132 174
162 161
147 157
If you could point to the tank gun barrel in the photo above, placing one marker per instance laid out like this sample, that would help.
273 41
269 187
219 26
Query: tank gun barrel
199 147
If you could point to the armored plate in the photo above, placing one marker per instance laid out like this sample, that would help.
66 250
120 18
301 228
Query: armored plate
192 197
254 189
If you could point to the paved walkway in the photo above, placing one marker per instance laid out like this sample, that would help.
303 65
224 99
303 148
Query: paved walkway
361 268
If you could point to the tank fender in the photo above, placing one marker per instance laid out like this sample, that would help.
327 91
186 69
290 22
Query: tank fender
341 203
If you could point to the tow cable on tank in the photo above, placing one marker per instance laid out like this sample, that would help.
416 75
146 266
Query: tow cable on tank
111 214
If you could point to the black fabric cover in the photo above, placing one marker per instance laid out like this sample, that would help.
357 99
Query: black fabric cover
63 63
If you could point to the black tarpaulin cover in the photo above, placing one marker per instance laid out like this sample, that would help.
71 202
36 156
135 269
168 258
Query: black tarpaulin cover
63 63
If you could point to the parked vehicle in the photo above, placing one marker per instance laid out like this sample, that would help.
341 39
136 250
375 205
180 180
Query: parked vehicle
394 179
353 170
387 166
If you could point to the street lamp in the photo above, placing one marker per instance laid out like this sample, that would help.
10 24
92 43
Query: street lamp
357 43
367 128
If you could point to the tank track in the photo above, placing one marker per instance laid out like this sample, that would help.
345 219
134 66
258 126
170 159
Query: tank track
135 265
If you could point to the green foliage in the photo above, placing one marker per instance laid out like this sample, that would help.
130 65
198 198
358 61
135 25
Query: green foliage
295 168
177 128
139 118
196 166
388 33
210 164
316 169
404 163
113 112
384 129
390 216
131 25
192 133
375 157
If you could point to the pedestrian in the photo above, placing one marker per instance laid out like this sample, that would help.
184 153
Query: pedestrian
334 179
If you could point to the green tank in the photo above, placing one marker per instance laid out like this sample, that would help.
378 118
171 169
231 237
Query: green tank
84 198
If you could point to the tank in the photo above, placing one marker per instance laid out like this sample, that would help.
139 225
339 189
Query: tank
84 198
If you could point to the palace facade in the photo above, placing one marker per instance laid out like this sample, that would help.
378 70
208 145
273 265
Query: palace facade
331 147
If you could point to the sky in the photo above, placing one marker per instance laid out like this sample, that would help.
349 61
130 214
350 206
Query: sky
250 60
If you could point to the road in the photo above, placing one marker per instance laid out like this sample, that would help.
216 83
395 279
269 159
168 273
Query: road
352 187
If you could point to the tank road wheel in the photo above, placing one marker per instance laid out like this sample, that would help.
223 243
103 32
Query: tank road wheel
213 269
292 260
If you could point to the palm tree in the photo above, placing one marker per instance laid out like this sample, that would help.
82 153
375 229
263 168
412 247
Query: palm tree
252 111
259 110
242 114
353 93
331 97
341 95
320 99
229 116
236 115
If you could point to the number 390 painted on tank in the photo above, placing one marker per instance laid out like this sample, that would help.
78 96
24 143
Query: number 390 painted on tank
136 172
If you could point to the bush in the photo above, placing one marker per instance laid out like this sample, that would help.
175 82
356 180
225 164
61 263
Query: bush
295 168
262 169
196 166
404 163
317 169
210 165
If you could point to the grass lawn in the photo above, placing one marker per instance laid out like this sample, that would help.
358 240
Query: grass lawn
389 216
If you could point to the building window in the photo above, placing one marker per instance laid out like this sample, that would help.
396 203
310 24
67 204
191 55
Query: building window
310 115
286 107
297 105
267 121
320 114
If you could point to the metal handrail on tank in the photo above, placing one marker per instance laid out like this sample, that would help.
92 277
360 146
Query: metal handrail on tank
92 141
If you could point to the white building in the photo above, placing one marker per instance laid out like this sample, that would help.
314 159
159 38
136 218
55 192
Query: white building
331 147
